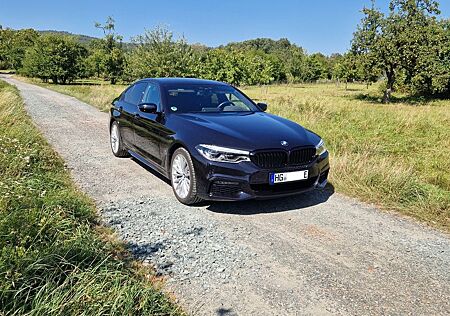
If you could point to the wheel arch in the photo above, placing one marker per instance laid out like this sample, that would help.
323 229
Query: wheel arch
170 153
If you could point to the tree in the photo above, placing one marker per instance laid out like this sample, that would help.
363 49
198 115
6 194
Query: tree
13 44
374 39
108 55
158 54
398 44
315 68
347 68
54 57
440 69
417 41
95 62
290 56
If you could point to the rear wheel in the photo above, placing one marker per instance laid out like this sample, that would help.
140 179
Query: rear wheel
116 141
184 181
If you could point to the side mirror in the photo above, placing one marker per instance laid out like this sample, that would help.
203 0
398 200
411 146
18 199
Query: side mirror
148 107
262 106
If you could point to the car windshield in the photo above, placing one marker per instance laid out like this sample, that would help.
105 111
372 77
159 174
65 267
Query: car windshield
196 98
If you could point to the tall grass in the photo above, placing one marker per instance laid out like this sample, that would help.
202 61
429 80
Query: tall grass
55 259
396 155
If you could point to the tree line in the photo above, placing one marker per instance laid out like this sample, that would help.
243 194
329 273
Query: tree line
157 53
408 47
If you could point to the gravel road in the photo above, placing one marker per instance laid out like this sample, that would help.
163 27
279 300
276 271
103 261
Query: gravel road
314 254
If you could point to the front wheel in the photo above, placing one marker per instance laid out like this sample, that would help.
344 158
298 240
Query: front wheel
184 182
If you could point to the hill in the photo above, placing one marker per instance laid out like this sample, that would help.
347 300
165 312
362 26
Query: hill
83 39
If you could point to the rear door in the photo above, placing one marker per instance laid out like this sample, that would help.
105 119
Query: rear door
128 107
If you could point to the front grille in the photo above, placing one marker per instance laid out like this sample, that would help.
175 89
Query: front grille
281 158
302 156
270 159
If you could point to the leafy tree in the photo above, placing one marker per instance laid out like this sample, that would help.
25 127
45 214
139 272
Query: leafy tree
54 57
95 62
108 55
417 41
347 68
13 45
158 54
375 39
290 56
400 43
440 69
241 67
315 68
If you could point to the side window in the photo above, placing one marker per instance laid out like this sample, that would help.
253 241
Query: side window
135 94
152 95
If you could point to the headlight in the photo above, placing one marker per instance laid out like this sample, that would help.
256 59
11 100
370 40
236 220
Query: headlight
222 154
320 148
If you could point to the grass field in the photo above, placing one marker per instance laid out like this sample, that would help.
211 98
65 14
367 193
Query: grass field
55 259
395 156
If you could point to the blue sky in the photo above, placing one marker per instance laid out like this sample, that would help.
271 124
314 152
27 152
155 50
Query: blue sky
320 25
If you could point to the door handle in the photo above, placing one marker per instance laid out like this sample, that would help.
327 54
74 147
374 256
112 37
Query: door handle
136 115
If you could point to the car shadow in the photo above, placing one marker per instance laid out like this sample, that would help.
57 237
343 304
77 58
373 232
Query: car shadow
289 203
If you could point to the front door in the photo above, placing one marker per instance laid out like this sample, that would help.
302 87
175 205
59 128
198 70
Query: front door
148 127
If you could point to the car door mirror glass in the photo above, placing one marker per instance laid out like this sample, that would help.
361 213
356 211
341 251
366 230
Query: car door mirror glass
262 106
148 107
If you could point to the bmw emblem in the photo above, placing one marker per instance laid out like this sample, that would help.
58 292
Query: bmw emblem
284 143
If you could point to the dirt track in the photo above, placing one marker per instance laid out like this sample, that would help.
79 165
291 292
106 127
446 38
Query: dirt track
315 254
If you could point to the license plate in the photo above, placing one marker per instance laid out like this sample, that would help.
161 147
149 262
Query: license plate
288 176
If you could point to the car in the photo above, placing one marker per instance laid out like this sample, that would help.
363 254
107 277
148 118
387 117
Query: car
213 142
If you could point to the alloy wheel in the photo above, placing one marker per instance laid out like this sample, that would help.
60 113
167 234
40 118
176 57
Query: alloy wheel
115 138
181 177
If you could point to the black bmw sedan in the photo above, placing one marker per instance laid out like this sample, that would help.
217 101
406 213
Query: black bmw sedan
213 142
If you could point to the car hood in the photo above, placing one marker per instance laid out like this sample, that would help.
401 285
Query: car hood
249 130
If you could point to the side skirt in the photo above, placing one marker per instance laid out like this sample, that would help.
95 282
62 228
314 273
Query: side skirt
148 163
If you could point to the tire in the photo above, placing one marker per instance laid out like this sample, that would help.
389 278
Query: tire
183 177
115 140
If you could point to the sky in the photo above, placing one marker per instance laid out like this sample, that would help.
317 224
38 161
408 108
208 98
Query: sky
317 25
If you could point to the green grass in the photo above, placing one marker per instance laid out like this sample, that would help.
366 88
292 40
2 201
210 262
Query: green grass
395 156
55 259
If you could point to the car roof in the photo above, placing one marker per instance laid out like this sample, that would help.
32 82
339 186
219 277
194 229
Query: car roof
174 81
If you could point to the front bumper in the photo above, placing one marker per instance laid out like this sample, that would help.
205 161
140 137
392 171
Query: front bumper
220 181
